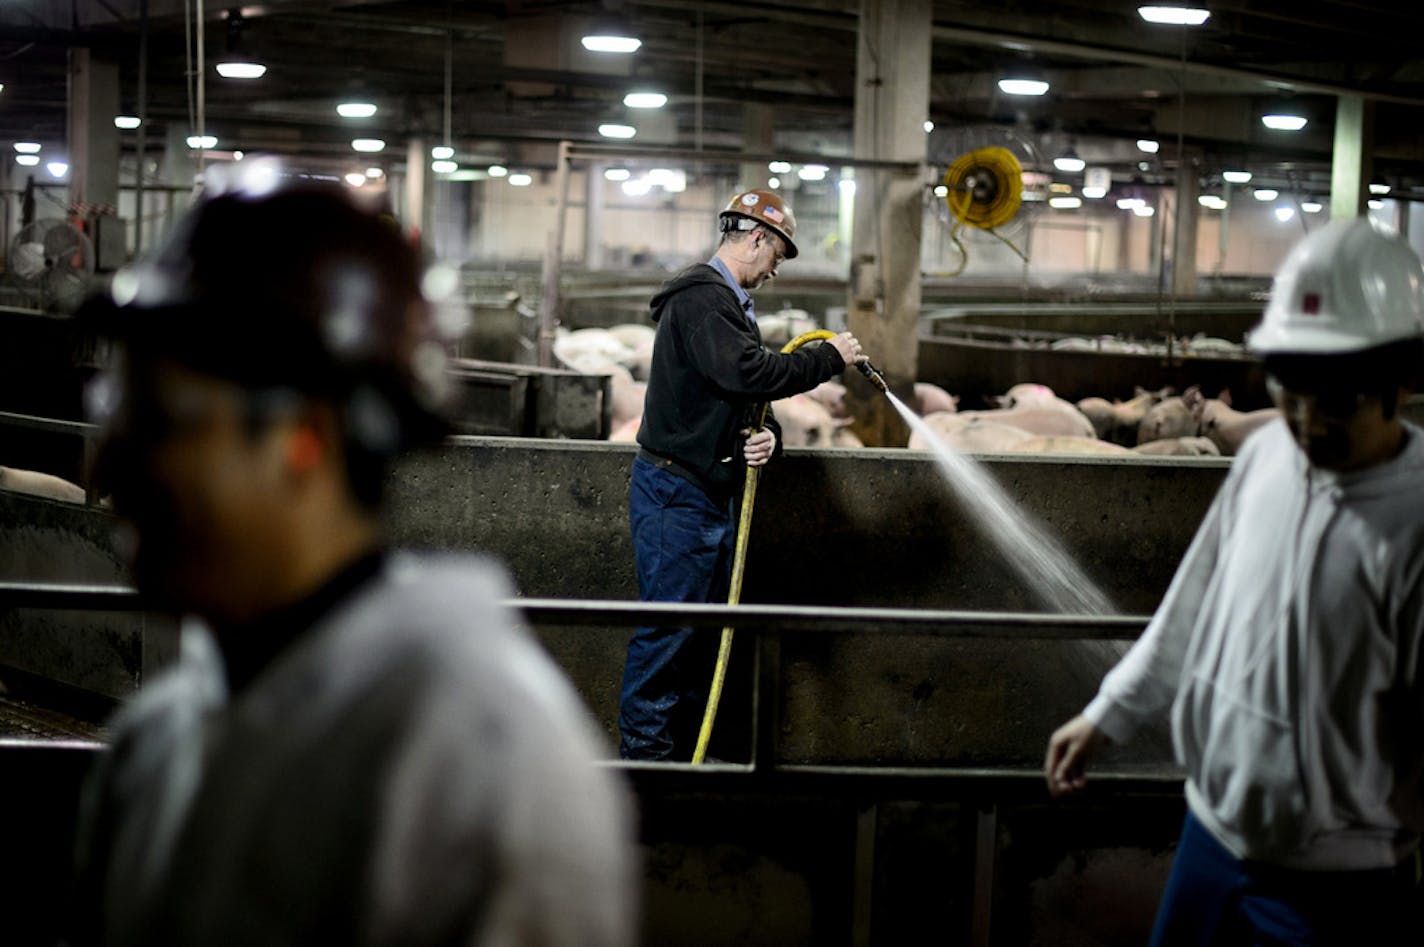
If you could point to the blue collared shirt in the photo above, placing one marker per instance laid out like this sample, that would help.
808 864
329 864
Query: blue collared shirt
742 296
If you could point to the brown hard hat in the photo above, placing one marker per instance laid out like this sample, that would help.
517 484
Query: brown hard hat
766 208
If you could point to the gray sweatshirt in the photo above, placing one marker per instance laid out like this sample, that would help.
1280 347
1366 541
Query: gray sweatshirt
1288 647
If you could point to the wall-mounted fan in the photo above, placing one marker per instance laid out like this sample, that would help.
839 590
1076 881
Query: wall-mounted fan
51 263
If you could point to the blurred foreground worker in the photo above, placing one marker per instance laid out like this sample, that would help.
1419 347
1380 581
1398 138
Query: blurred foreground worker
1288 646
710 374
358 745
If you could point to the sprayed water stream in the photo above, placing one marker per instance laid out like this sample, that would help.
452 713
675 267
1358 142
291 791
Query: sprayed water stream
1040 560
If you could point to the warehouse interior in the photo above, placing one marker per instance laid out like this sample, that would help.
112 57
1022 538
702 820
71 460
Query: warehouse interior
889 702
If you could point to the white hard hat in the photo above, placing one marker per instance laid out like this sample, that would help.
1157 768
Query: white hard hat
1346 287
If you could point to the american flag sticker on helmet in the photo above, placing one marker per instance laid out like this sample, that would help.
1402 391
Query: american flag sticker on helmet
772 214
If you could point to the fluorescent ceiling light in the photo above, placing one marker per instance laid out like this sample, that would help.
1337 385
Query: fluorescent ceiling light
1284 123
773 183
27 160
812 172
126 121
1212 202
368 145
1174 15
645 100
636 187
57 169
519 179
356 109
611 44
1379 187
617 174
27 147
1095 193
612 130
1265 193
498 170
1284 213
1376 205
443 167
941 191
929 126
1311 207
1147 146
1236 177
779 167
375 173
468 174
202 141
1065 203
1069 162
238 69
1128 203
442 152
1144 210
355 179
1023 86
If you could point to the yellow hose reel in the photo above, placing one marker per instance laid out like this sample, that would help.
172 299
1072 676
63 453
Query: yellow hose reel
984 189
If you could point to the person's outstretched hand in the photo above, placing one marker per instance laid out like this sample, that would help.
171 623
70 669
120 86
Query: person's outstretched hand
1069 750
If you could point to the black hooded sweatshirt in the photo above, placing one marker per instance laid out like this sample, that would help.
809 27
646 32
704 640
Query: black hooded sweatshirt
709 376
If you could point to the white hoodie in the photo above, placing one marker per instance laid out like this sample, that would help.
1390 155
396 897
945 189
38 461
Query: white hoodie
1288 647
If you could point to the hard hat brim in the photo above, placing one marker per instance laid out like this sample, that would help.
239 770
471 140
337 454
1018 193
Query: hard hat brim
1307 340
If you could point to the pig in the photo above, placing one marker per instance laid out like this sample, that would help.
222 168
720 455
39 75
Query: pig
1027 395
1178 447
931 398
1118 421
628 397
1068 445
627 431
969 434
842 437
1226 427
1048 418
1170 417
805 422
633 335
40 484
591 351
641 362
831 396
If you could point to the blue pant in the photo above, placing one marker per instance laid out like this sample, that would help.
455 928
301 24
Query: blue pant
683 543
1213 897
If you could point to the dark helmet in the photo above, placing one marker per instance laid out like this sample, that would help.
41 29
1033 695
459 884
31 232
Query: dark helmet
293 287
765 208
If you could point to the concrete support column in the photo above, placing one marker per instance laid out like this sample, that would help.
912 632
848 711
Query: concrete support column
1184 226
93 139
1352 163
415 187
758 129
593 216
891 105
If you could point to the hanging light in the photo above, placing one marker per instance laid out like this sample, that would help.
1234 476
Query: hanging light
57 169
617 174
519 179
611 34
1069 162
1236 177
238 63
1311 207
355 179
645 100
356 109
126 122
1065 203
1148 146
1379 185
497 170
614 130
1284 213
204 142
444 167
1174 15
1023 85
27 160
1284 121
1265 193
442 152
27 147
368 145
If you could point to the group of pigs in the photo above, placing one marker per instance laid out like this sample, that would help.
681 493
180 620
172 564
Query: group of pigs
1028 417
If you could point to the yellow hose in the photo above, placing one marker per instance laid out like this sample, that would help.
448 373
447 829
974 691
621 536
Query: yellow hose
985 208
739 565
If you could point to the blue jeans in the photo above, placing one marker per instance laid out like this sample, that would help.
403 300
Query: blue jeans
1213 897
683 544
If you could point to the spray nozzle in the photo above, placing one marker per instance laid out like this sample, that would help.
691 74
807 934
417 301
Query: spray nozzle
873 375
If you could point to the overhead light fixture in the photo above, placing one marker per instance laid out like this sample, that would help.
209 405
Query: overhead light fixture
1144 209
203 142
238 63
1379 185
368 145
57 169
674 181
773 183
1212 202
941 190
126 122
1236 177
1128 203
1311 207
1284 213
1147 146
444 167
779 167
356 109
1023 86
1284 121
442 152
497 170
637 187
374 173
355 179
645 100
1376 205
1174 15
1265 193
617 174
1095 193
812 172
611 34
27 160
27 147
1069 162
1065 203
929 126
613 130
519 179
468 174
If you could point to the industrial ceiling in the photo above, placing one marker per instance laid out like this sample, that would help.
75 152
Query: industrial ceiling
511 80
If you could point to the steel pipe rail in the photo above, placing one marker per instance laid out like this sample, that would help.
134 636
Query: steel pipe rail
795 618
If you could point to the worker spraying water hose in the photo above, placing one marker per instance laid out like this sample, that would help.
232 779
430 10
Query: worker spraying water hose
739 561
701 435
